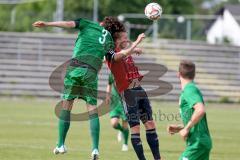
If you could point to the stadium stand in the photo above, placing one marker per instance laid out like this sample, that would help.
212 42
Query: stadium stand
28 59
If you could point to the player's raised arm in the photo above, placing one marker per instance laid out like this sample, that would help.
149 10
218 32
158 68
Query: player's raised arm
61 24
131 50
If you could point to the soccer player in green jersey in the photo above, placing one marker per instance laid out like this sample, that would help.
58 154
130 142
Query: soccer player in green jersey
114 100
92 44
192 110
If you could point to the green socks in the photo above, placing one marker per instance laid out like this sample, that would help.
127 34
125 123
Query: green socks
119 127
95 130
63 126
124 131
125 135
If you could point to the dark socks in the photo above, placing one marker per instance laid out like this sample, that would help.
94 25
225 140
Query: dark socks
137 145
153 142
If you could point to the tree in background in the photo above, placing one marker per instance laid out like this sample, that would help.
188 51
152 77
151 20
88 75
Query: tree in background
178 6
5 17
25 14
29 12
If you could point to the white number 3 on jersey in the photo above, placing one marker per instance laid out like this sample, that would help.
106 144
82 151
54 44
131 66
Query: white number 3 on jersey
104 35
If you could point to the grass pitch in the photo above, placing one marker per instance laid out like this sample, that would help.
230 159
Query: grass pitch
28 131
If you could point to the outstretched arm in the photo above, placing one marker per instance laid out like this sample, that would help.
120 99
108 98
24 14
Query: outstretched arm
131 50
61 24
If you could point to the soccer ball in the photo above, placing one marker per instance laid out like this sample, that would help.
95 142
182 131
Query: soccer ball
153 11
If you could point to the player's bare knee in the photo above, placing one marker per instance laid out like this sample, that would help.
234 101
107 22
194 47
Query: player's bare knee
67 104
114 122
92 109
135 129
149 125
125 124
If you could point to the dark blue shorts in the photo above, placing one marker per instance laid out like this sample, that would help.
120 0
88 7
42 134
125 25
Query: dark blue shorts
137 106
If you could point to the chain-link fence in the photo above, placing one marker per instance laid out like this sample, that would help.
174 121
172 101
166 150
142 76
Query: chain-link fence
187 27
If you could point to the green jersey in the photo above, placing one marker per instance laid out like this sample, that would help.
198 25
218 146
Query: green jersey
92 44
199 133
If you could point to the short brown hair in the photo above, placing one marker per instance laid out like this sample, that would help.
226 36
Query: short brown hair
114 26
187 69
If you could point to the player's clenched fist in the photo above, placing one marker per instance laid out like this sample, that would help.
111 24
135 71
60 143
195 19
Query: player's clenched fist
140 37
174 128
40 24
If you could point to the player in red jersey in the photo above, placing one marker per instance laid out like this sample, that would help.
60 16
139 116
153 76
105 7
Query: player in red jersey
137 106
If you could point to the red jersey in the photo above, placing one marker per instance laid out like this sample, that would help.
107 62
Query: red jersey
124 72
